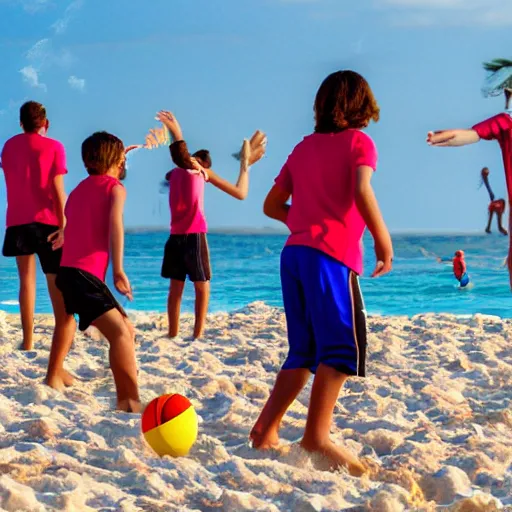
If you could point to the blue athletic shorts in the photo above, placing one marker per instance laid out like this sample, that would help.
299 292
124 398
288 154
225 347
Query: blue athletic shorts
325 312
464 281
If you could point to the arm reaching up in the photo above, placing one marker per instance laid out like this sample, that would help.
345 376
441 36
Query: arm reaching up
369 209
121 281
452 138
241 188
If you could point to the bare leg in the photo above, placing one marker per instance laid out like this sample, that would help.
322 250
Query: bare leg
202 298
488 228
65 327
119 333
289 383
503 230
27 297
324 394
174 305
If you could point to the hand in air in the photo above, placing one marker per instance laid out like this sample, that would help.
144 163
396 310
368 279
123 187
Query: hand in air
56 239
168 120
123 285
257 146
384 264
199 168
439 138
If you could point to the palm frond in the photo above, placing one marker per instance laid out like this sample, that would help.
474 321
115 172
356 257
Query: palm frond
497 64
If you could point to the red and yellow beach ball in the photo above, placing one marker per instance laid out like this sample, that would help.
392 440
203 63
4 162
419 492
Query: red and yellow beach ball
169 425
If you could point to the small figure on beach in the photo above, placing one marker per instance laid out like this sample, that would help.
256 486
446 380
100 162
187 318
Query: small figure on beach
328 177
34 166
94 235
186 252
496 206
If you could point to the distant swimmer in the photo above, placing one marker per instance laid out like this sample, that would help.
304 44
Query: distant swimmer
460 269
496 206
458 262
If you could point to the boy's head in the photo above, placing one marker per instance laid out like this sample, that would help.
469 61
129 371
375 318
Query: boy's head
343 101
459 254
103 153
33 117
204 158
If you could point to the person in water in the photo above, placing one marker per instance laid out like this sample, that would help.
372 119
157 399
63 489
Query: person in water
460 269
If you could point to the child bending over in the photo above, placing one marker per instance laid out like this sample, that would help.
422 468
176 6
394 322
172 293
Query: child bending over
94 233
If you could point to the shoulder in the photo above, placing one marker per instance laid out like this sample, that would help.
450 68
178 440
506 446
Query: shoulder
54 144
13 142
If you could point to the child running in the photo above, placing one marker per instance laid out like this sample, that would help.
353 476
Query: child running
328 176
34 166
499 128
186 252
94 233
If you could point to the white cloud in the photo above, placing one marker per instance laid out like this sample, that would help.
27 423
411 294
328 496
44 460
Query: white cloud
77 83
61 24
33 6
39 50
31 76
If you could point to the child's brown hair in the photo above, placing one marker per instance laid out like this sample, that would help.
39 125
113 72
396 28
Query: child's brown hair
33 116
102 151
344 100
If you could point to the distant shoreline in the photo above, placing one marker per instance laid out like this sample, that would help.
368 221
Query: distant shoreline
284 232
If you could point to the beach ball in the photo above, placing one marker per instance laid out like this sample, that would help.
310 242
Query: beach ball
169 425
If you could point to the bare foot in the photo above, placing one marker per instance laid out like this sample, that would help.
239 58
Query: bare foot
503 231
338 457
60 380
488 231
129 405
264 440
27 346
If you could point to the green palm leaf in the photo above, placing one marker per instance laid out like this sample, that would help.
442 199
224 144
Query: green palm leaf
497 64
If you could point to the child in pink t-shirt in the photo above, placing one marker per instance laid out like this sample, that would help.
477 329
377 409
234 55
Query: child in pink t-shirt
186 252
328 178
34 166
94 233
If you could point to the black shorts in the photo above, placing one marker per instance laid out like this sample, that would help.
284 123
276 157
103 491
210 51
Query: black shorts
29 239
85 295
187 255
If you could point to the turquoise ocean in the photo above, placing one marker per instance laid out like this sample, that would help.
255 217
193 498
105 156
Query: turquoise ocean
246 269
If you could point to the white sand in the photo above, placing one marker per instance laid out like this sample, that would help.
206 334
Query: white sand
435 412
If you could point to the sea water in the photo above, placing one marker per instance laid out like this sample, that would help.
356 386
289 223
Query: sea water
246 269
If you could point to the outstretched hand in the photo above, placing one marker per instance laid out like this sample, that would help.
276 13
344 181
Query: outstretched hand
257 146
440 138
168 120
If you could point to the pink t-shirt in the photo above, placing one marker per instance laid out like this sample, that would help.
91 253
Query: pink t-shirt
30 163
320 175
500 128
87 233
186 201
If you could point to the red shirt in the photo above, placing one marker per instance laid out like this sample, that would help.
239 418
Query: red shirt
459 267
30 163
500 128
87 233
320 175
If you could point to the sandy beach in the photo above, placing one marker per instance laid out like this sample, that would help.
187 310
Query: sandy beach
434 417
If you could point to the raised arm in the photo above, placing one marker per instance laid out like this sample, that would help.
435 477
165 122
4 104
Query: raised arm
121 281
452 138
369 209
241 188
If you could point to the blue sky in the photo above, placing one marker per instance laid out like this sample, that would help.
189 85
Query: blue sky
229 67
